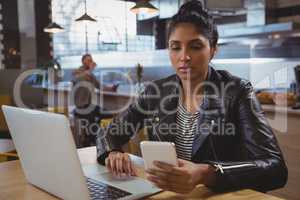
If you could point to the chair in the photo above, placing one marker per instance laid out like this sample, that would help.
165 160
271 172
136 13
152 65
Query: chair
59 109
8 156
105 122
133 145
4 133
7 148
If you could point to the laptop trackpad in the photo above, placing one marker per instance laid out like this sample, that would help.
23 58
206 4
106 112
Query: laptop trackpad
130 184
93 169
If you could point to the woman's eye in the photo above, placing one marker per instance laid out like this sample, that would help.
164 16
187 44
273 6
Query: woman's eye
196 47
175 48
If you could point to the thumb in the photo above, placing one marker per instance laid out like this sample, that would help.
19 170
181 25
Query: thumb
180 162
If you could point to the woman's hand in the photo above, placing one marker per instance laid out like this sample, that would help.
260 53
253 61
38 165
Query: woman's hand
119 163
181 179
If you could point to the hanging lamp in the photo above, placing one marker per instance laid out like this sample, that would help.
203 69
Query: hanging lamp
53 28
143 6
85 17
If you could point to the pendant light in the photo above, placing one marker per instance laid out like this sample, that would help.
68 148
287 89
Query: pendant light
85 17
143 6
53 28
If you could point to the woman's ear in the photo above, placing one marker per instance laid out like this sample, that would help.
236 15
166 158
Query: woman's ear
213 52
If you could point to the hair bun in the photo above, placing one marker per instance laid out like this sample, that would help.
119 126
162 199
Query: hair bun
193 7
193 12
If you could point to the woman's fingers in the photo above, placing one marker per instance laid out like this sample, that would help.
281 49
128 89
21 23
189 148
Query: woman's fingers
167 168
170 184
110 163
179 179
181 162
133 169
113 166
127 164
164 166
159 173
158 182
119 163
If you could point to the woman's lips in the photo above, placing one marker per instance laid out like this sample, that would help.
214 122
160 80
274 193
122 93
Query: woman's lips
184 69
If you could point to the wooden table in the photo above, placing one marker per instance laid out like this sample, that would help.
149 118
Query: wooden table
13 185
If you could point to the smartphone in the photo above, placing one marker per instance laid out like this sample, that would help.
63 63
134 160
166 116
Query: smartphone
159 151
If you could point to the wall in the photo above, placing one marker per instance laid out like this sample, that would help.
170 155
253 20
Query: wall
43 40
1 39
24 43
10 32
26 18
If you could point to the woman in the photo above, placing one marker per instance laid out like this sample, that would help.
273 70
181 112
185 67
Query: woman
221 136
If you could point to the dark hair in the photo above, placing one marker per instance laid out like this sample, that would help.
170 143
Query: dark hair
84 56
194 13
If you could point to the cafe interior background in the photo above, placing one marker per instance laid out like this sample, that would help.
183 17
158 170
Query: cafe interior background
259 41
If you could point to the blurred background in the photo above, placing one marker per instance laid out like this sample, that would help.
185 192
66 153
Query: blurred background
259 41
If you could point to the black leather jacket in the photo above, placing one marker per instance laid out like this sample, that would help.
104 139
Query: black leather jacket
234 134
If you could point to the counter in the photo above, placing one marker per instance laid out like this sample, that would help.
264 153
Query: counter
280 109
285 123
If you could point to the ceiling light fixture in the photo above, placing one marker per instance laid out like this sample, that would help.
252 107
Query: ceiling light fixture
143 6
53 28
85 16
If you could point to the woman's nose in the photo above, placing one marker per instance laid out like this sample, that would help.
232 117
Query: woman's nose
185 56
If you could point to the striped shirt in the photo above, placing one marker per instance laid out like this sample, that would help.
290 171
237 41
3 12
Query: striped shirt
187 124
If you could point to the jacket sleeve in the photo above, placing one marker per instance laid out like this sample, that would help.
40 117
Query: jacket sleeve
122 128
262 166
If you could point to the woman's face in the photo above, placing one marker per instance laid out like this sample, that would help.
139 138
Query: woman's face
89 63
190 52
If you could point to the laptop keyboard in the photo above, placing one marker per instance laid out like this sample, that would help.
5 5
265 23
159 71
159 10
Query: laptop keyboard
99 190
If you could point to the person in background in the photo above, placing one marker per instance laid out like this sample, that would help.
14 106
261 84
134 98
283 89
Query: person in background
222 138
84 84
85 73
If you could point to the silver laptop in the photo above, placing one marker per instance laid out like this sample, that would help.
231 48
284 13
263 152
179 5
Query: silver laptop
49 159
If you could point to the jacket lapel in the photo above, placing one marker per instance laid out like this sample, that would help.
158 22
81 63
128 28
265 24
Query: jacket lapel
209 111
165 126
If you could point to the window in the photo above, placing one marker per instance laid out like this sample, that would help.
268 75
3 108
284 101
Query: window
115 29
